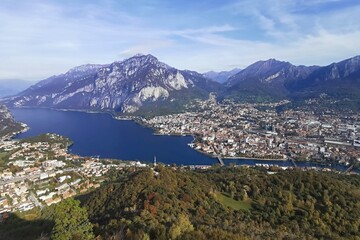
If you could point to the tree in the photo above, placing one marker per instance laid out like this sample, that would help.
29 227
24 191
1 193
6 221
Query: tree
71 222
182 225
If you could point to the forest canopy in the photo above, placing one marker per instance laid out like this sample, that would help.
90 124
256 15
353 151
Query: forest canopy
218 203
227 203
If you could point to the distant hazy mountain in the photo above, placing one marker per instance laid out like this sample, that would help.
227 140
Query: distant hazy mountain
140 83
222 76
265 80
10 87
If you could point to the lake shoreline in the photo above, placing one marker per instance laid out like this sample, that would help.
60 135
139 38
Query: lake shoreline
165 147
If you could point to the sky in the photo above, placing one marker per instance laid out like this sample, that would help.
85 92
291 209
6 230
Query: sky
41 38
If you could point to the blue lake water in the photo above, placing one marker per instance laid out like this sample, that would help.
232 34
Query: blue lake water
99 134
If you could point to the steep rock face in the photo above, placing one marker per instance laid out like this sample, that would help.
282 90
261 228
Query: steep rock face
121 86
344 74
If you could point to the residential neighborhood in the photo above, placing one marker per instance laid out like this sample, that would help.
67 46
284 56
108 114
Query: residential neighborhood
41 173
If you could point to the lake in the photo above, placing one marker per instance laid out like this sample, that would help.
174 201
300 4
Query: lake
98 134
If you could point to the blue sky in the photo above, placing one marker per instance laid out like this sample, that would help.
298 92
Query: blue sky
43 38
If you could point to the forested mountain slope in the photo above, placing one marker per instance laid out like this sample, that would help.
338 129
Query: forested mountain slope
230 203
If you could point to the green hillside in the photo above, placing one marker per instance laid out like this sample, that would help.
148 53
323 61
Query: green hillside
287 205
219 203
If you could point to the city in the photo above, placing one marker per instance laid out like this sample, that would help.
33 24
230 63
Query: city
233 130
40 171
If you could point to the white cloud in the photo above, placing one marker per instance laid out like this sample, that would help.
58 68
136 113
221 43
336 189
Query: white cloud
39 39
220 53
206 30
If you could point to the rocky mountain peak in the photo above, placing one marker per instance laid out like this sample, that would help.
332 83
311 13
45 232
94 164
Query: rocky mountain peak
123 86
85 68
141 60
267 71
269 64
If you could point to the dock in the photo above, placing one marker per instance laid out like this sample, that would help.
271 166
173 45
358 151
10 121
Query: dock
220 161
349 169
292 161
218 155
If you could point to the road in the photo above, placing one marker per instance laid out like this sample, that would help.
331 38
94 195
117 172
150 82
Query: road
34 200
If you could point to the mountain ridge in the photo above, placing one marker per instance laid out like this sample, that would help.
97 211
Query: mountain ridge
144 84
264 80
339 82
123 86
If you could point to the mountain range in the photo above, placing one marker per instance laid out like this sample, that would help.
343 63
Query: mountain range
143 84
